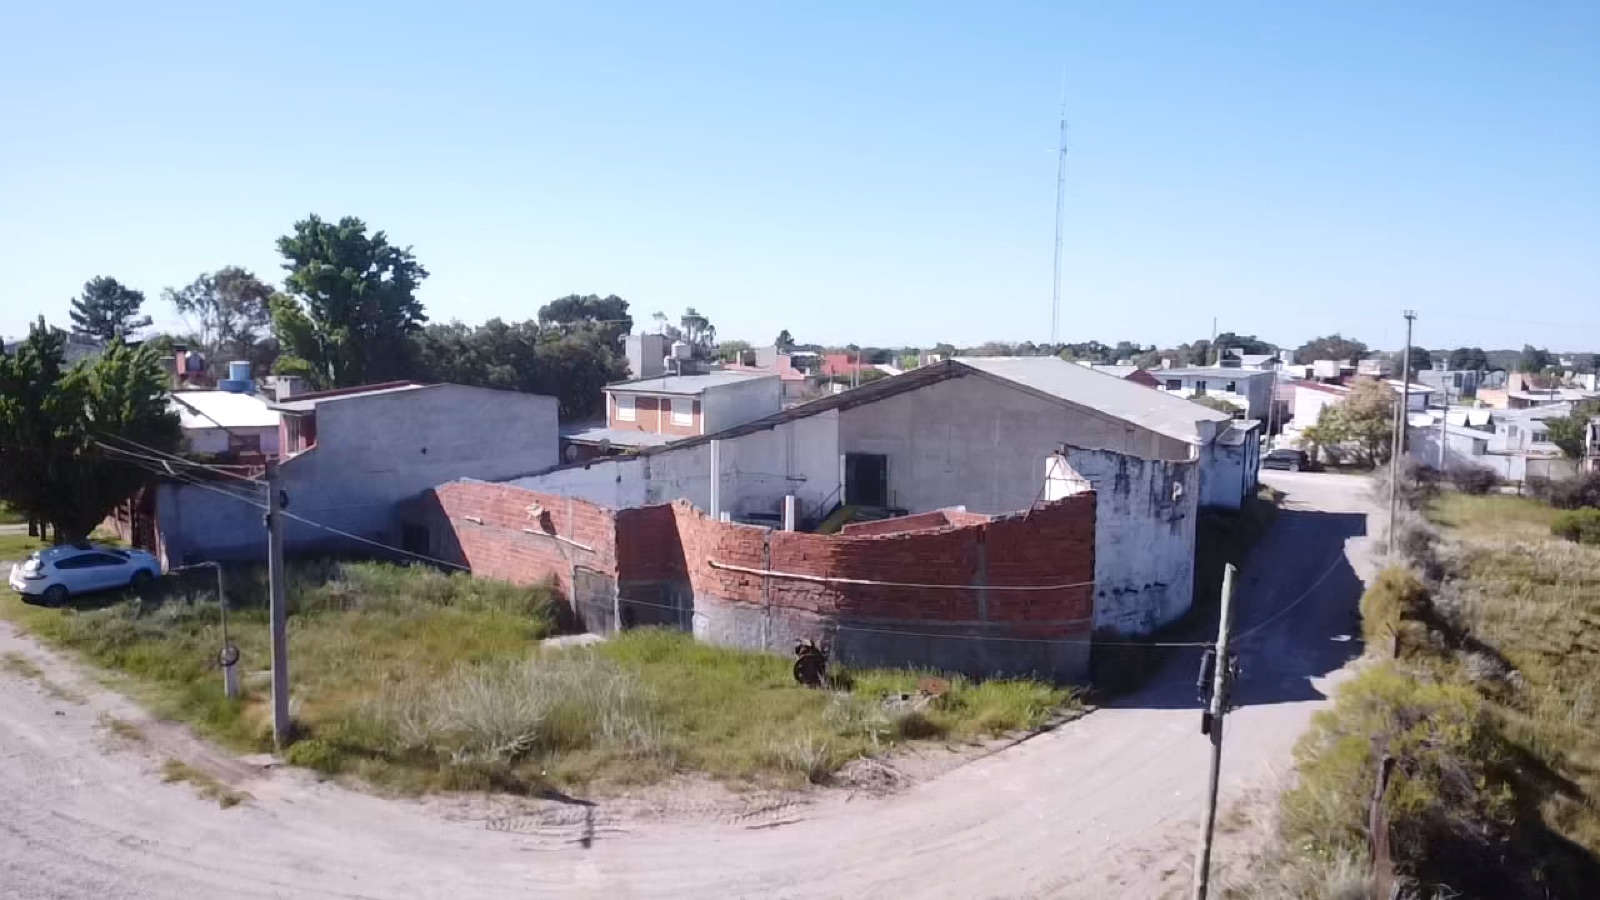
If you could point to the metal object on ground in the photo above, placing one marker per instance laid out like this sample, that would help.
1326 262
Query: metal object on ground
810 664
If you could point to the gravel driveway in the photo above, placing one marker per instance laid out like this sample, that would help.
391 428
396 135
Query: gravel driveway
1103 807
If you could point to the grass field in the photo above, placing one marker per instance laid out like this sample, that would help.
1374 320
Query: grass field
414 680
9 516
1490 702
14 547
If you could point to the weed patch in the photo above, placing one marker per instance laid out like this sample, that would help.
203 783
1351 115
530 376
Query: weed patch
174 771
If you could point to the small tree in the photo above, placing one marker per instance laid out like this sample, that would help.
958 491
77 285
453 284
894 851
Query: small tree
1362 424
784 342
1570 432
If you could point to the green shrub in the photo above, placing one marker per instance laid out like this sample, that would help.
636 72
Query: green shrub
1475 480
1578 525
1448 803
1393 608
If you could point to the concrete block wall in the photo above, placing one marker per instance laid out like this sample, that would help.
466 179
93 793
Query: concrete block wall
674 565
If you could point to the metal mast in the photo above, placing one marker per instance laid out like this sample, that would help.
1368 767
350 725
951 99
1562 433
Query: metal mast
1061 197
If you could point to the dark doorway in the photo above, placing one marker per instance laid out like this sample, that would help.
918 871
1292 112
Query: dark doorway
866 479
594 596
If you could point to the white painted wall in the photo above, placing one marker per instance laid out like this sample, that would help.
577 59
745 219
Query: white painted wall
730 405
1145 515
1308 404
215 440
1252 388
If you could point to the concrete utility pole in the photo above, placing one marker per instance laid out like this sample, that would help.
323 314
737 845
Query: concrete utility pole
279 610
1444 423
1400 420
1211 723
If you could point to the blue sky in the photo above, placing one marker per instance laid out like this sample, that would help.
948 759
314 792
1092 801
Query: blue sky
872 172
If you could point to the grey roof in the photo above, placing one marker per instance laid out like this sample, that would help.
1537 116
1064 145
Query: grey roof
686 385
1211 372
1239 430
1115 371
1119 398
617 437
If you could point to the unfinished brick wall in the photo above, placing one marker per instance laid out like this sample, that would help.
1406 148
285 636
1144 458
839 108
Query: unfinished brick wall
939 518
754 587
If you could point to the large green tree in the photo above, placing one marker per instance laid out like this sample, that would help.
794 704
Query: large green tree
1361 426
1534 359
351 308
609 314
54 420
230 311
572 364
1469 359
107 309
1333 346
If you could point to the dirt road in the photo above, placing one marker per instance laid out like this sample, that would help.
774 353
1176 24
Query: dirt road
1103 807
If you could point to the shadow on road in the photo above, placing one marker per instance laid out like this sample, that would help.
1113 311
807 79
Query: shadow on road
1296 618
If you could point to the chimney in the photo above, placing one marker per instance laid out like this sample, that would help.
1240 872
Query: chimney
288 386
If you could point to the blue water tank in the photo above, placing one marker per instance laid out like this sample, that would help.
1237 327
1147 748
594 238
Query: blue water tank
239 370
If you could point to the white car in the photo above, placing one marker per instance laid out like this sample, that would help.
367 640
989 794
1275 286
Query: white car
57 573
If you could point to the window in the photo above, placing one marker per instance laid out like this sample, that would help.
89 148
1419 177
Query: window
1232 387
1174 384
1541 437
1511 431
625 409
682 411
1200 388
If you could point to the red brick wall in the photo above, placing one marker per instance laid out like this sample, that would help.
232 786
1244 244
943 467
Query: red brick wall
1050 545
513 544
654 415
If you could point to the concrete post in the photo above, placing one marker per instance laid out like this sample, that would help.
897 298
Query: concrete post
789 507
716 480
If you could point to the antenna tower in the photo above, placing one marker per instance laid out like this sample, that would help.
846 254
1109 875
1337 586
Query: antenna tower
1061 197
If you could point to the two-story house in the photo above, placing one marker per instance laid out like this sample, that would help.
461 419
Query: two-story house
1248 390
650 412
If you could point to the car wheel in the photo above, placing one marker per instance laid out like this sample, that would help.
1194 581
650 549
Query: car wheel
1294 467
55 595
140 580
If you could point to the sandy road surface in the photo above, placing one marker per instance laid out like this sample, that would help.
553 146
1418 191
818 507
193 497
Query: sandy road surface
1103 807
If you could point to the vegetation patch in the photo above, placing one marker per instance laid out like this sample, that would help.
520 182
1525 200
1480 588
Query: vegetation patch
14 547
174 771
20 665
1579 525
414 681
1489 709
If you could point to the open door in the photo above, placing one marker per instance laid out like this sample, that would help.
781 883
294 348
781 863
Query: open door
866 479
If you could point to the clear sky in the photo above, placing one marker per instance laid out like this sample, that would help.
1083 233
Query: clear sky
872 172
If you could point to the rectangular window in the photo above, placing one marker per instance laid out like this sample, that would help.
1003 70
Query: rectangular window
1232 387
1511 431
1541 437
1200 388
682 411
625 409
1174 384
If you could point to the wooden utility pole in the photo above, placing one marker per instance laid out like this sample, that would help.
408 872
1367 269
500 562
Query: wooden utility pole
1211 724
1400 422
279 610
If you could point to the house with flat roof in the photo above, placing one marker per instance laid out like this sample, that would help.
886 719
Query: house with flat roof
1249 391
228 424
651 412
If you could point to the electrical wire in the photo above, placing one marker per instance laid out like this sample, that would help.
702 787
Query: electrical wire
162 455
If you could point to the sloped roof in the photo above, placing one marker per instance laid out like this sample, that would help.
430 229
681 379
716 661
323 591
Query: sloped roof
222 409
1119 398
300 403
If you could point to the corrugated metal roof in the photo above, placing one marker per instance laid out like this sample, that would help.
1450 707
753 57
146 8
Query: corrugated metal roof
687 385
1115 371
1119 398
222 409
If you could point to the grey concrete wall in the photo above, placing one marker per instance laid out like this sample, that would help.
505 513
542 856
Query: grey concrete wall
1144 544
373 454
958 647
1229 473
745 401
970 441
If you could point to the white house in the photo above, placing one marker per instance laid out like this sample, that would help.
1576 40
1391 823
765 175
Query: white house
226 423
1249 390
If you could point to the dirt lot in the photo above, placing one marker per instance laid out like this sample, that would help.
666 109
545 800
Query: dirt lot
1104 806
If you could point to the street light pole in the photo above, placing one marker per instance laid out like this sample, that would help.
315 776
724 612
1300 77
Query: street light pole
1400 420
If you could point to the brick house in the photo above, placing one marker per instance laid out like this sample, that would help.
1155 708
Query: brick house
651 412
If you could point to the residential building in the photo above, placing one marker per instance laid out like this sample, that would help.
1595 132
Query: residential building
974 433
1309 399
1418 396
652 412
1249 391
1127 373
1454 382
229 425
1234 358
352 459
1514 444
